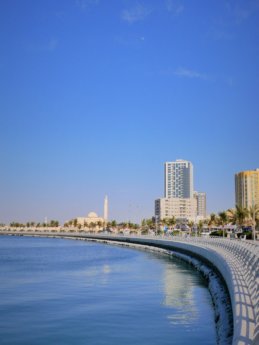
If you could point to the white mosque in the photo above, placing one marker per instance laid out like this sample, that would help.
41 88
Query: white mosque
93 218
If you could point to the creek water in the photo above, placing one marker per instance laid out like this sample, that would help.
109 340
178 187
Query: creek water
58 291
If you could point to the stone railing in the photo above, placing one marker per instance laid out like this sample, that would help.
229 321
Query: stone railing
242 278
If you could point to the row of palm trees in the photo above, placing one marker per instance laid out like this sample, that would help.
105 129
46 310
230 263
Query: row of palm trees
101 225
32 224
238 216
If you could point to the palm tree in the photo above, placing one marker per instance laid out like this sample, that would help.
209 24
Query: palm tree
100 224
241 214
92 226
130 225
150 223
200 226
223 220
171 222
113 223
163 223
254 212
212 221
231 213
54 223
238 215
191 224
143 223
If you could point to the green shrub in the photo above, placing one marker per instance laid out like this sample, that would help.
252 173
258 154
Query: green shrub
217 233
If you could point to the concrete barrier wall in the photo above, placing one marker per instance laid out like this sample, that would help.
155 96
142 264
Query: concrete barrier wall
244 320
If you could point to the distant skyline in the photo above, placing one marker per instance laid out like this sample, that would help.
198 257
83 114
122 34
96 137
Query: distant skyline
97 95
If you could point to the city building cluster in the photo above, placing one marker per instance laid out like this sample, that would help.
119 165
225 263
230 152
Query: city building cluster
183 203
180 199
181 207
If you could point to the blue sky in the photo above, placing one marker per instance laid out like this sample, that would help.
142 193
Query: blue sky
96 95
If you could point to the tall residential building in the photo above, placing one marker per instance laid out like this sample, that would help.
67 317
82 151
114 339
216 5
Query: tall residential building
178 179
247 188
200 198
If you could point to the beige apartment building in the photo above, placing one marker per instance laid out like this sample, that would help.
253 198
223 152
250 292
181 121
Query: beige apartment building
180 208
247 188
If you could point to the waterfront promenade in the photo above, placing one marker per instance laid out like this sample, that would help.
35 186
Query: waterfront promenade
236 261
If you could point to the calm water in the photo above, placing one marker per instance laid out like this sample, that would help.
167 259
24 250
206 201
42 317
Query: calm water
57 291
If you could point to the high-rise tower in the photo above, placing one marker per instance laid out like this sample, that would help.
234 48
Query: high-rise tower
178 179
247 188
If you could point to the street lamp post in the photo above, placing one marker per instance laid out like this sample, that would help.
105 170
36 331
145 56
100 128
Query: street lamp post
253 220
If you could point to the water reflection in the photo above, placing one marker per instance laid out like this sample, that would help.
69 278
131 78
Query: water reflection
178 295
93 276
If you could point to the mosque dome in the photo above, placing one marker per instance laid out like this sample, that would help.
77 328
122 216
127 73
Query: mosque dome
92 215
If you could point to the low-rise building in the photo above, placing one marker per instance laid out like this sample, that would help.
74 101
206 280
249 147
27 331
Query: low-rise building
180 208
92 218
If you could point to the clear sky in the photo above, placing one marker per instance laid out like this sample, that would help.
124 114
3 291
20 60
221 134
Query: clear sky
95 95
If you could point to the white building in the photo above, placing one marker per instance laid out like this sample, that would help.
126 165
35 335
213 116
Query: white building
91 218
178 179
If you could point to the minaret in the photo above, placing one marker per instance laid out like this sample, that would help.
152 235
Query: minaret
105 211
